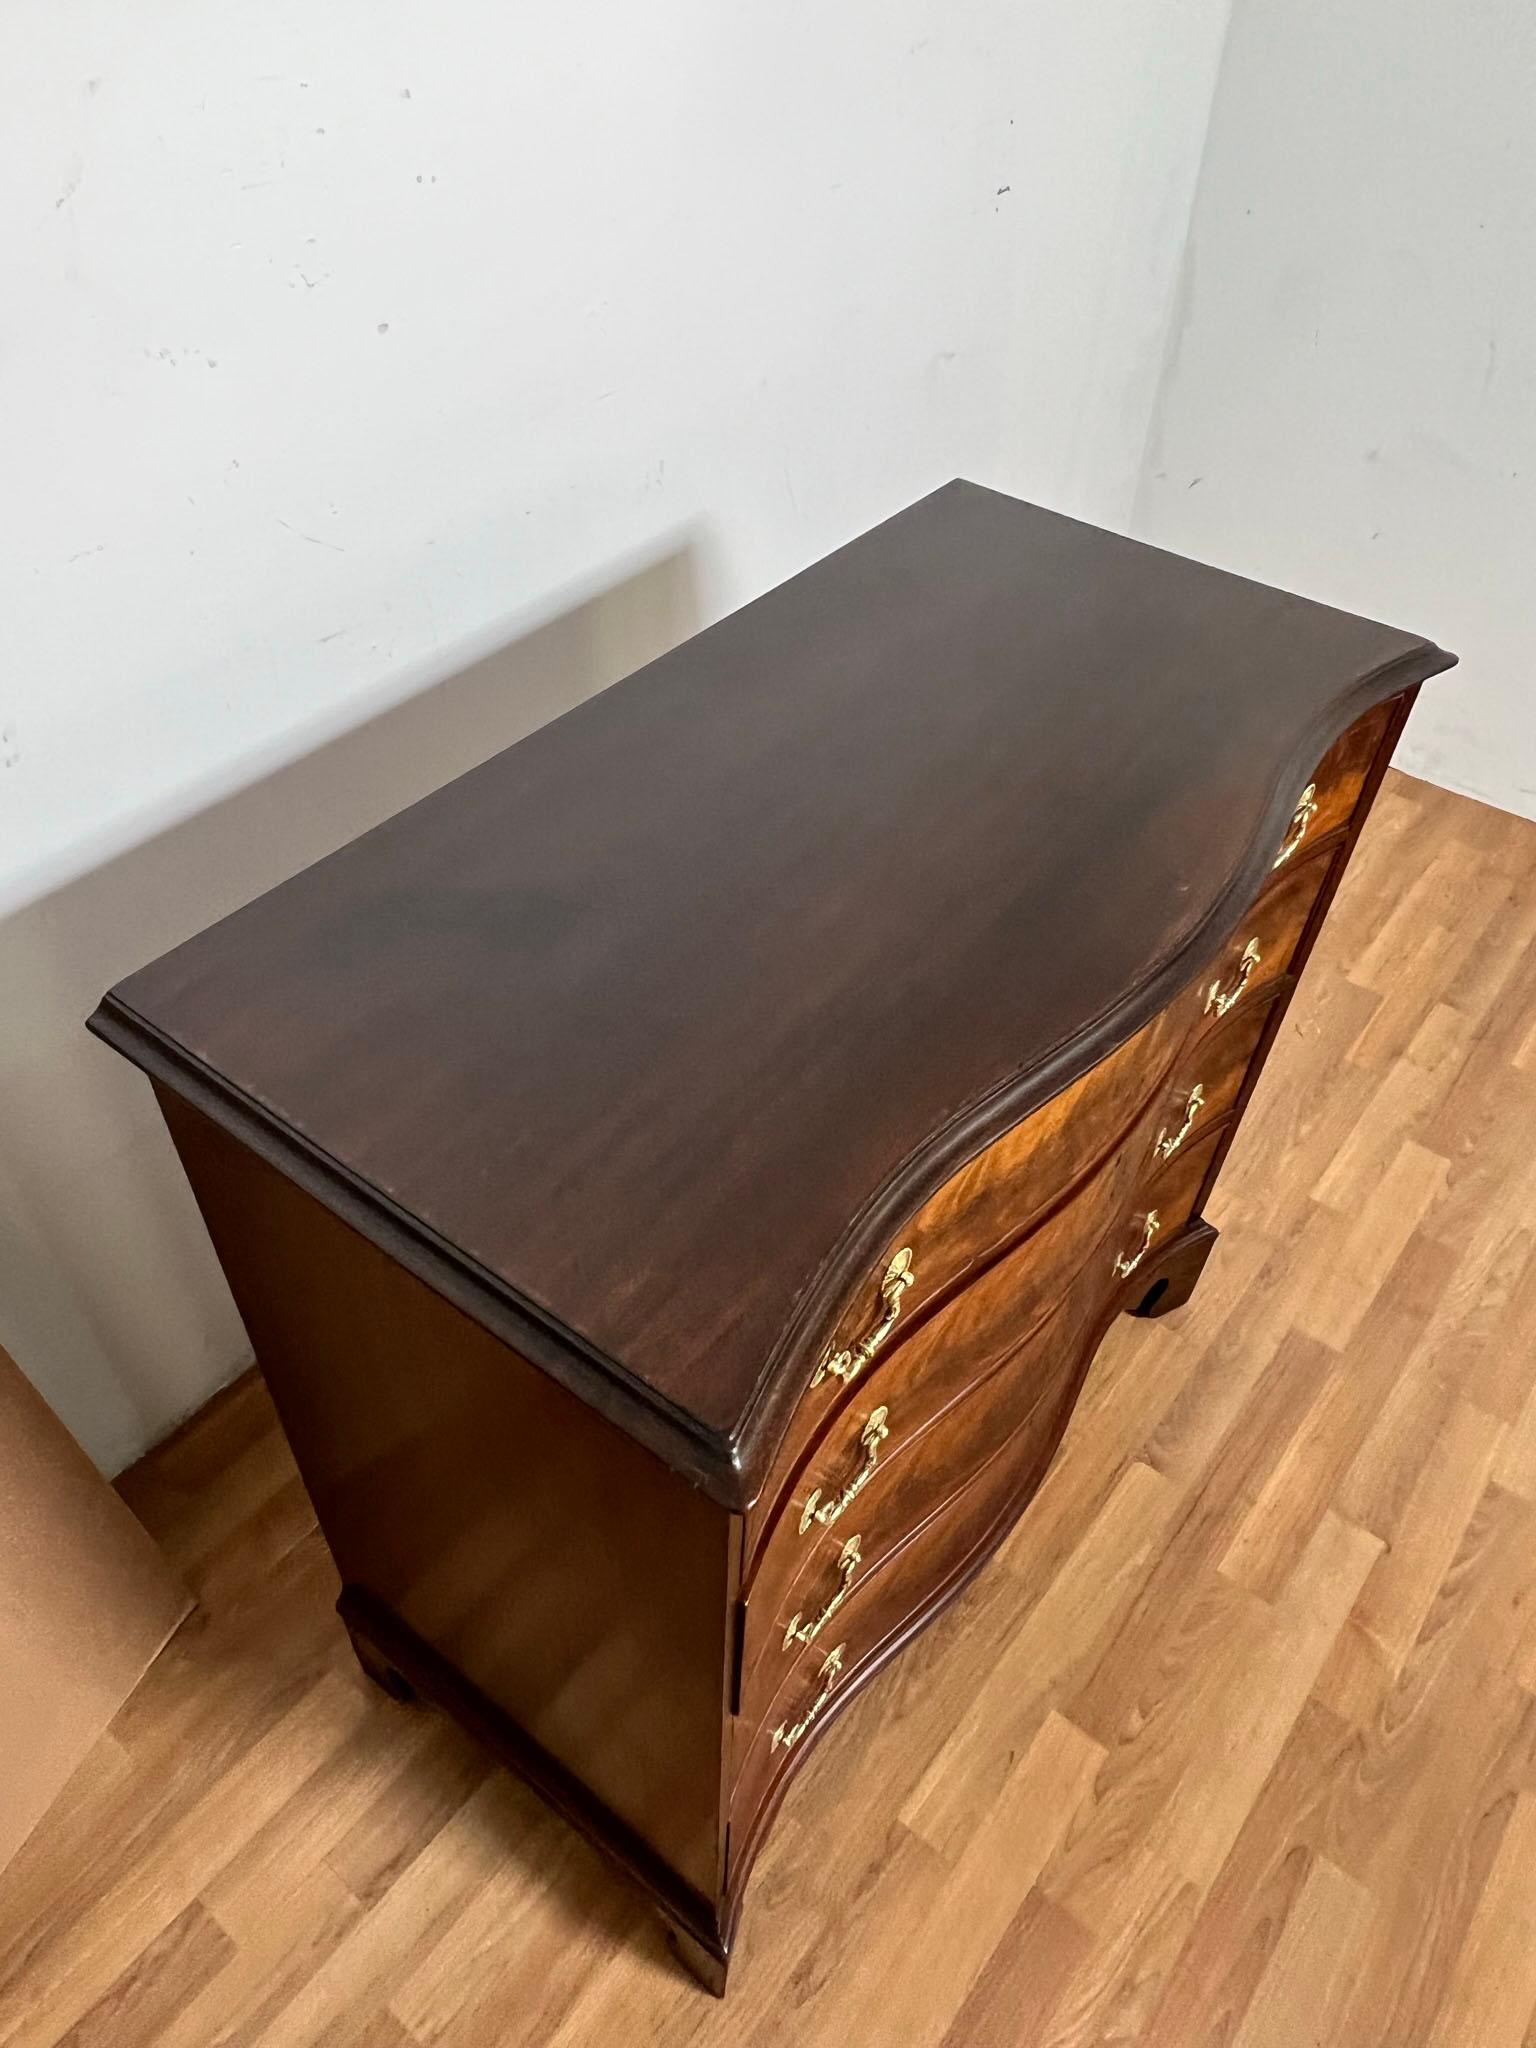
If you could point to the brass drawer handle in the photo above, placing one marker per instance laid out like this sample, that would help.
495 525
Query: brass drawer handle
832 1665
850 1557
1221 1000
1168 1142
872 1436
1301 818
847 1365
1124 1266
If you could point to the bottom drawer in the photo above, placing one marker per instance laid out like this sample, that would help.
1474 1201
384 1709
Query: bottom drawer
1165 1204
1208 1077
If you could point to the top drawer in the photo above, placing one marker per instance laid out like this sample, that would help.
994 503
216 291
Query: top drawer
1001 1192
1328 800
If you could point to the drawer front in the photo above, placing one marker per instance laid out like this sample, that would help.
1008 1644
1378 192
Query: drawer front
1329 798
991 1202
867 1438
1165 1203
1004 1190
1259 952
1206 1079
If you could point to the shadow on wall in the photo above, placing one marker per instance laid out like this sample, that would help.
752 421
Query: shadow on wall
108 1287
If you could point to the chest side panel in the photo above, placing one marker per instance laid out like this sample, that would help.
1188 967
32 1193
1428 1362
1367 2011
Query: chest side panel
575 1583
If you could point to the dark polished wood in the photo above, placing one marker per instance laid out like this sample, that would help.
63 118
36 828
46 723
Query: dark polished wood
724 1125
642 1032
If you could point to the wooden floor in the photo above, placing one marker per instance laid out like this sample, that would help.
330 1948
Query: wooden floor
1235 1741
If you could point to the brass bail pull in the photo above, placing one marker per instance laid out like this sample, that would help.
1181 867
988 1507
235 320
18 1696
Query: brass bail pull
1301 818
874 1433
1168 1142
1124 1266
788 1736
1220 1000
847 1365
849 1558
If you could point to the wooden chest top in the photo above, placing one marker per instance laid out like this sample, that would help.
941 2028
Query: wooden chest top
634 1039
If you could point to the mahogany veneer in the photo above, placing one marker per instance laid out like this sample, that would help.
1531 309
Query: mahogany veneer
676 1177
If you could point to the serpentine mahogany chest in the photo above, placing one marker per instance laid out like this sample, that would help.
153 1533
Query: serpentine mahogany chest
676 1176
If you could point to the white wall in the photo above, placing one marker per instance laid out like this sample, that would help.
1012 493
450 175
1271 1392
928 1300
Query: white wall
347 349
1350 398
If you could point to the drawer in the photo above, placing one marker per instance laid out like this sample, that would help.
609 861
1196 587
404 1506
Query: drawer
810 1685
886 1411
1166 1202
1260 950
809 1578
1207 1076
990 1203
1330 797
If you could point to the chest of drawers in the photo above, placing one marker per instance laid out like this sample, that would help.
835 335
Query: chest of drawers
675 1178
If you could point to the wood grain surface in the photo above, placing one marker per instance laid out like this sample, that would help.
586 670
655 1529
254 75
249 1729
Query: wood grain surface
1235 1743
645 1032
